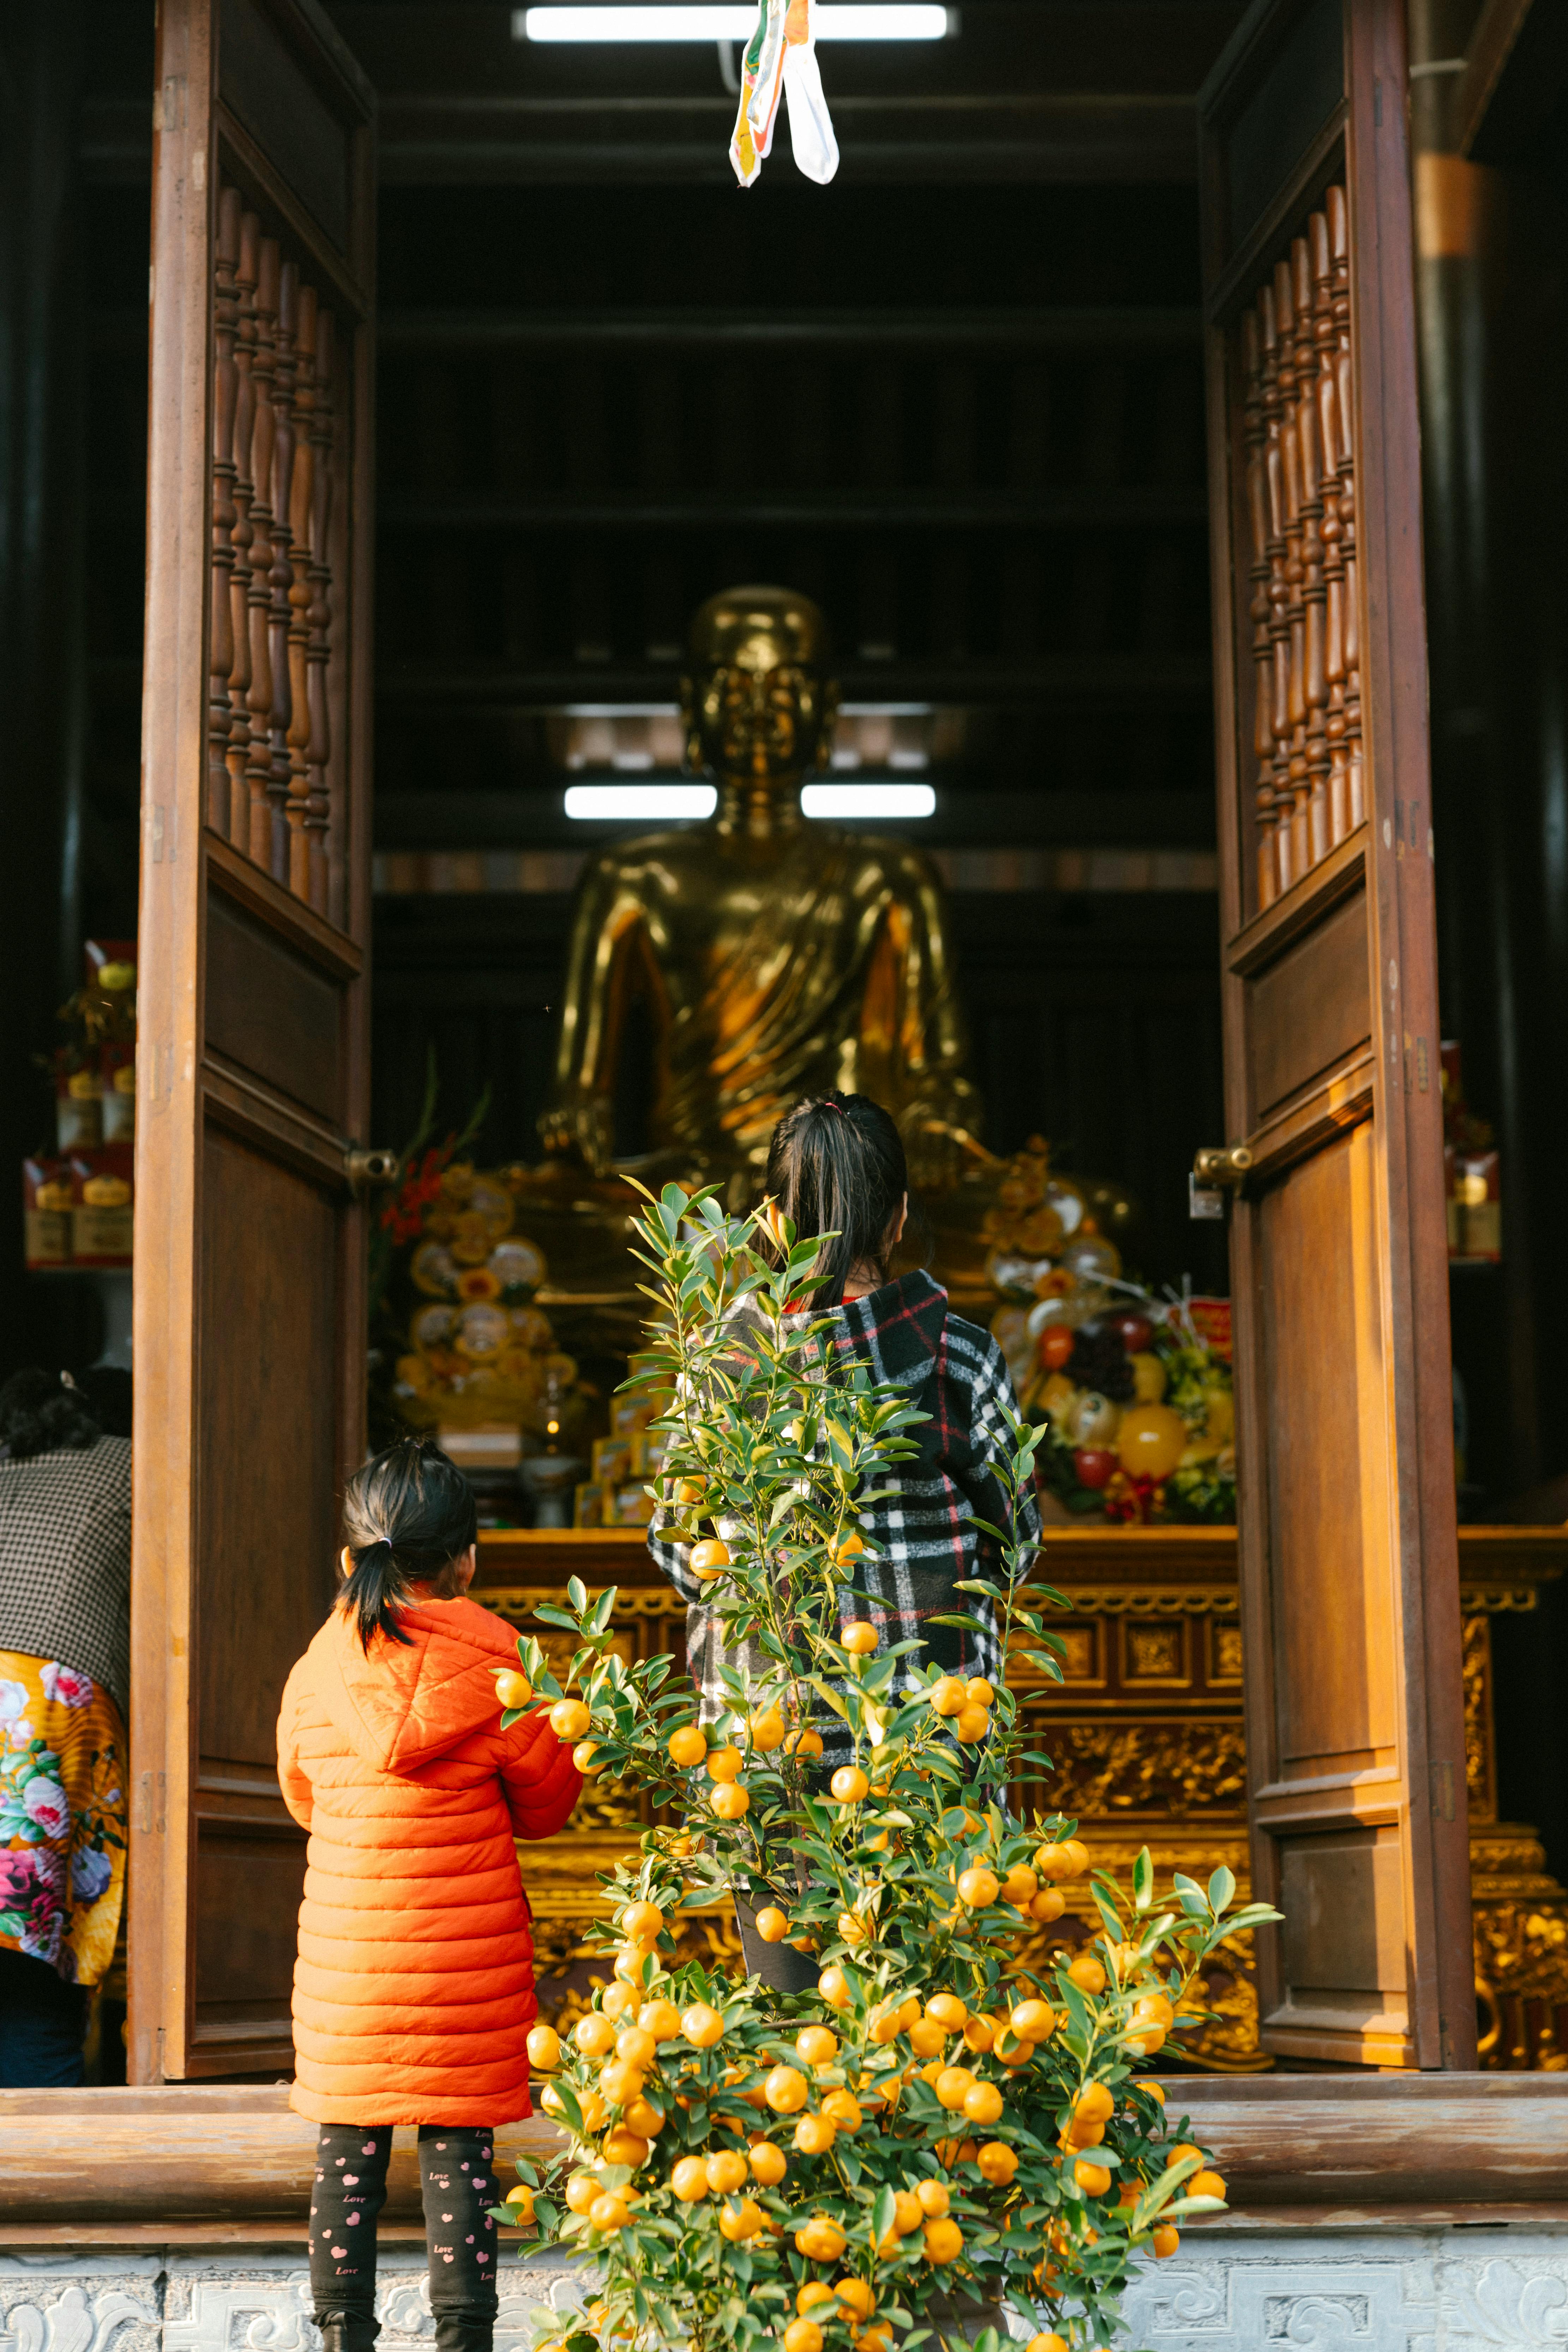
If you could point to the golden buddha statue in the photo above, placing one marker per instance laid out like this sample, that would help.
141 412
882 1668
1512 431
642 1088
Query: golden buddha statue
780 957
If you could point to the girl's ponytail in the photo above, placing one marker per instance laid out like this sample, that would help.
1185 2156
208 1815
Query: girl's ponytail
836 1165
372 1590
408 1516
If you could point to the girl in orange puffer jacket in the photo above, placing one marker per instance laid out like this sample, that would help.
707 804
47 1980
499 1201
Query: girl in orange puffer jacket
414 1987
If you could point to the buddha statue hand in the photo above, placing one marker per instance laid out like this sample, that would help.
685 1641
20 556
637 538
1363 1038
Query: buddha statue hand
580 1132
937 1150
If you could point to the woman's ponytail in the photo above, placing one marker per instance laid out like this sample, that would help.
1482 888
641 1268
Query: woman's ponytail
408 1516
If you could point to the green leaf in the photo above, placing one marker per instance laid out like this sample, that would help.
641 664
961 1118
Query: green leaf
883 2214
1143 1880
824 1691
1222 1888
577 1593
602 1609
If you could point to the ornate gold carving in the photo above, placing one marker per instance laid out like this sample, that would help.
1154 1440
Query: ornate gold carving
1080 1654
1480 1740
1521 1984
604 1805
1154 1654
1225 1653
709 1937
1144 1768
1147 1600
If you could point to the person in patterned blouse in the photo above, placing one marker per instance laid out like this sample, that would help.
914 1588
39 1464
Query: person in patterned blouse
836 1165
65 1585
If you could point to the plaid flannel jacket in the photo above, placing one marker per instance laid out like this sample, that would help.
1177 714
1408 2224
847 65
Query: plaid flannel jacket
924 1535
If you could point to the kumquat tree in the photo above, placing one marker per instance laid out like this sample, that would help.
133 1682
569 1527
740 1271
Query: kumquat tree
929 2137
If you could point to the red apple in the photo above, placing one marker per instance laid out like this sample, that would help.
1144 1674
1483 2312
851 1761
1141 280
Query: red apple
1054 1345
1136 1331
1096 1466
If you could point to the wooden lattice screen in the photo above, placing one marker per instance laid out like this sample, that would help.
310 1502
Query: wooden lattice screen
279 446
1298 372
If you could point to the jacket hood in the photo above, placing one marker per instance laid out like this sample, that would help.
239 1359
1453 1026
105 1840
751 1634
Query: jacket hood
401 1704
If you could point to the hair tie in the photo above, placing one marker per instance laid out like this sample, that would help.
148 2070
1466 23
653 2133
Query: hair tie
828 1104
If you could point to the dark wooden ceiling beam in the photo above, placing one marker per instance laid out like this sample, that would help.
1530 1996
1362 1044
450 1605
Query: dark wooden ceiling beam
1087 505
1102 328
1126 684
1071 138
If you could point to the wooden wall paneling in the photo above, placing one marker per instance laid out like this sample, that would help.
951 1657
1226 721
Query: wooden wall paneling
1350 1581
249 1247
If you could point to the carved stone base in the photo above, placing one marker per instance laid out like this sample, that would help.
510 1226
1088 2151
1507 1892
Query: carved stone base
1229 2290
254 2299
1359 2290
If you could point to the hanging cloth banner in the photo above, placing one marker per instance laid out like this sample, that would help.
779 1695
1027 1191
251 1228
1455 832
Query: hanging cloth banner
781 60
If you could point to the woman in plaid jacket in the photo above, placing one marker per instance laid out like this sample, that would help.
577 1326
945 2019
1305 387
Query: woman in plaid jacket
836 1165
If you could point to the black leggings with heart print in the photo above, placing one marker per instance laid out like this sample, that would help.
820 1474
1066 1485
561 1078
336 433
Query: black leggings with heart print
456 2175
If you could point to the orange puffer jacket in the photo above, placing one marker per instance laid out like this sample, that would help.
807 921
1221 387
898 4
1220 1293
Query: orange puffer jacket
414 1987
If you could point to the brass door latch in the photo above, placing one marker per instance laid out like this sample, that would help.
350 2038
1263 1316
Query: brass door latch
368 1170
1217 1169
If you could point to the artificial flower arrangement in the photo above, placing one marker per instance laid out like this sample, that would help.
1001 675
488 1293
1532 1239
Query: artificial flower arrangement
457 1340
929 2136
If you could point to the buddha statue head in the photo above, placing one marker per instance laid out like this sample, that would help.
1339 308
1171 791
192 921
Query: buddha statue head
758 703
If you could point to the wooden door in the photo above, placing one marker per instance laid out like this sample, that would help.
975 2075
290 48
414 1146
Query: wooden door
1349 1553
249 1253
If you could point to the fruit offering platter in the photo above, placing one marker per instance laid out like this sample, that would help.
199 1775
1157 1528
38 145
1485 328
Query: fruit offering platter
1141 1410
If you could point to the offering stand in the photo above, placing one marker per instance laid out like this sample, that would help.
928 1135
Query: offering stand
1147 1741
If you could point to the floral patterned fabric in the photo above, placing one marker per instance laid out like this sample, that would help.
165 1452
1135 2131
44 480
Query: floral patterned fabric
62 1816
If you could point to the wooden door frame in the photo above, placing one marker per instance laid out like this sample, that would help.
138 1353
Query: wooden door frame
180 1087
1396 1081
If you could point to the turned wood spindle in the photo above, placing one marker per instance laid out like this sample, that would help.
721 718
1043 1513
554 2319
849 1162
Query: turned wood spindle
220 655
319 751
1328 399
1295 820
1314 683
281 573
1279 586
1255 433
1338 212
237 748
299 511
259 701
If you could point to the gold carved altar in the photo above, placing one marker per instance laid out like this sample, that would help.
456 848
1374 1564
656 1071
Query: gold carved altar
1146 1735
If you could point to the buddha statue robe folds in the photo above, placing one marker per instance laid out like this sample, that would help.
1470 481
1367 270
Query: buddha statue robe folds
779 957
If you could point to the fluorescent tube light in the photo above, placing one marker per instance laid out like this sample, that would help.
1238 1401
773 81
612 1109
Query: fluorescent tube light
640 801
733 20
868 800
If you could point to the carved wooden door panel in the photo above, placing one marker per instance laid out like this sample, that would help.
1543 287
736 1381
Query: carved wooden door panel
1348 1555
249 1254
